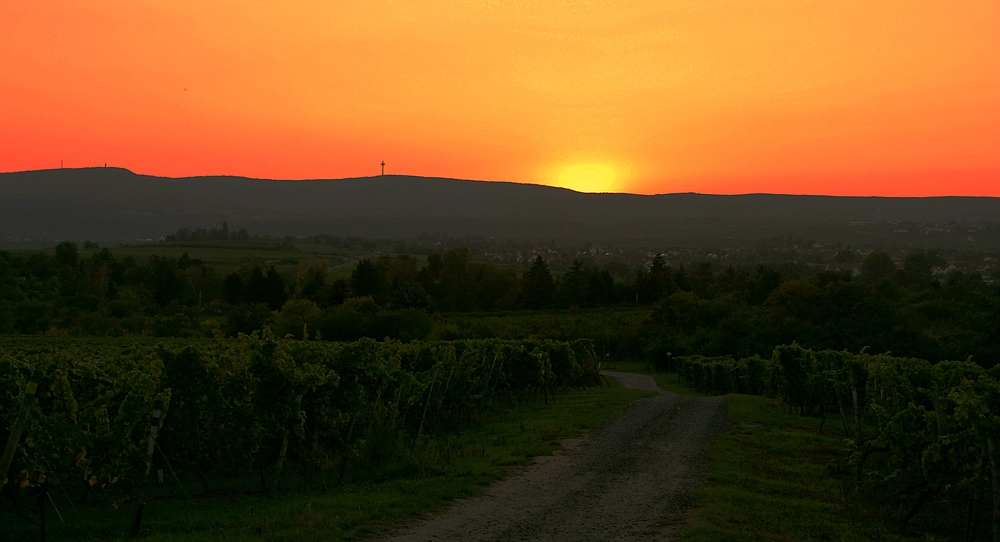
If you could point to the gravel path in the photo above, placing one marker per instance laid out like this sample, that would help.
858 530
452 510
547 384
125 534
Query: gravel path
630 479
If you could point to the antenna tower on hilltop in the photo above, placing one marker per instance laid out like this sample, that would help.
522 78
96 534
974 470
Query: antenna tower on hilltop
383 167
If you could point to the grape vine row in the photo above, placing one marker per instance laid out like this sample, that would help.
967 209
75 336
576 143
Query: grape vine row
233 407
917 434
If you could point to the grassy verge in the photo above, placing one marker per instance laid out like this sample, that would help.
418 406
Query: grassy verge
769 481
439 470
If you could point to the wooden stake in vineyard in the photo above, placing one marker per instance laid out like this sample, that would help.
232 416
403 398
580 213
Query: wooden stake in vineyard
28 401
427 402
490 402
443 395
284 448
154 424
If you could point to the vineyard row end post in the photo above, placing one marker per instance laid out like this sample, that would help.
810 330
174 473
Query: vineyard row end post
27 402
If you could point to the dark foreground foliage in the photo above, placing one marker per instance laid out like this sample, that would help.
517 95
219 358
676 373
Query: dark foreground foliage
254 405
920 438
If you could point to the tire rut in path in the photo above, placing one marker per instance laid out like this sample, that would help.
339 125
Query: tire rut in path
630 479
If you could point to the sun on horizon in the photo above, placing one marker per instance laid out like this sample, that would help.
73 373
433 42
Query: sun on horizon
589 177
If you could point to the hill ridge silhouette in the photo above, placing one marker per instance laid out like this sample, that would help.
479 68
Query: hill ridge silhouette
114 202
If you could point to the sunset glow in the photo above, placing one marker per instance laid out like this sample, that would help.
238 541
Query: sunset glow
848 97
588 178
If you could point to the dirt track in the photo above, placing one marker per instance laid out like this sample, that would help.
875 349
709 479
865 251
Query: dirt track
630 479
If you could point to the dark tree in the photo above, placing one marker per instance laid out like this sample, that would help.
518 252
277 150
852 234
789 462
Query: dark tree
764 282
683 283
31 317
314 283
919 267
572 287
369 279
164 281
410 295
537 285
338 293
247 318
990 349
232 289
275 288
876 267
66 254
702 278
496 288
601 288
657 283
456 289
823 278
256 287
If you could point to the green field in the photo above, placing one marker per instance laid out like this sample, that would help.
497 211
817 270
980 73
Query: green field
225 256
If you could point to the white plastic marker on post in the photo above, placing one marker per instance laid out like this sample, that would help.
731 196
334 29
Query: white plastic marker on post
154 425
29 400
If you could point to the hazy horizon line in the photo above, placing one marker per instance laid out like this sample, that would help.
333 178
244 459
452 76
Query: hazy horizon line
504 181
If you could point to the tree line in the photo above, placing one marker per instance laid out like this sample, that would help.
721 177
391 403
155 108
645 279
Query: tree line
905 311
697 309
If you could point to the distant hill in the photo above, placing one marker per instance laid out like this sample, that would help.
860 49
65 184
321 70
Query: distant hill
113 203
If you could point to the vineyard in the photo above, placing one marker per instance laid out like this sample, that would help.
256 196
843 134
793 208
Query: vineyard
920 438
258 405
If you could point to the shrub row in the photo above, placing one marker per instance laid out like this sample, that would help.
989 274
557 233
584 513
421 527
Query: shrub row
239 406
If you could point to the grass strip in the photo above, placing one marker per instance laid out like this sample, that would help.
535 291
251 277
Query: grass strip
769 481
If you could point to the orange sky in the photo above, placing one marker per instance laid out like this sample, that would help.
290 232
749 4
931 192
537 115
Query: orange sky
860 97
